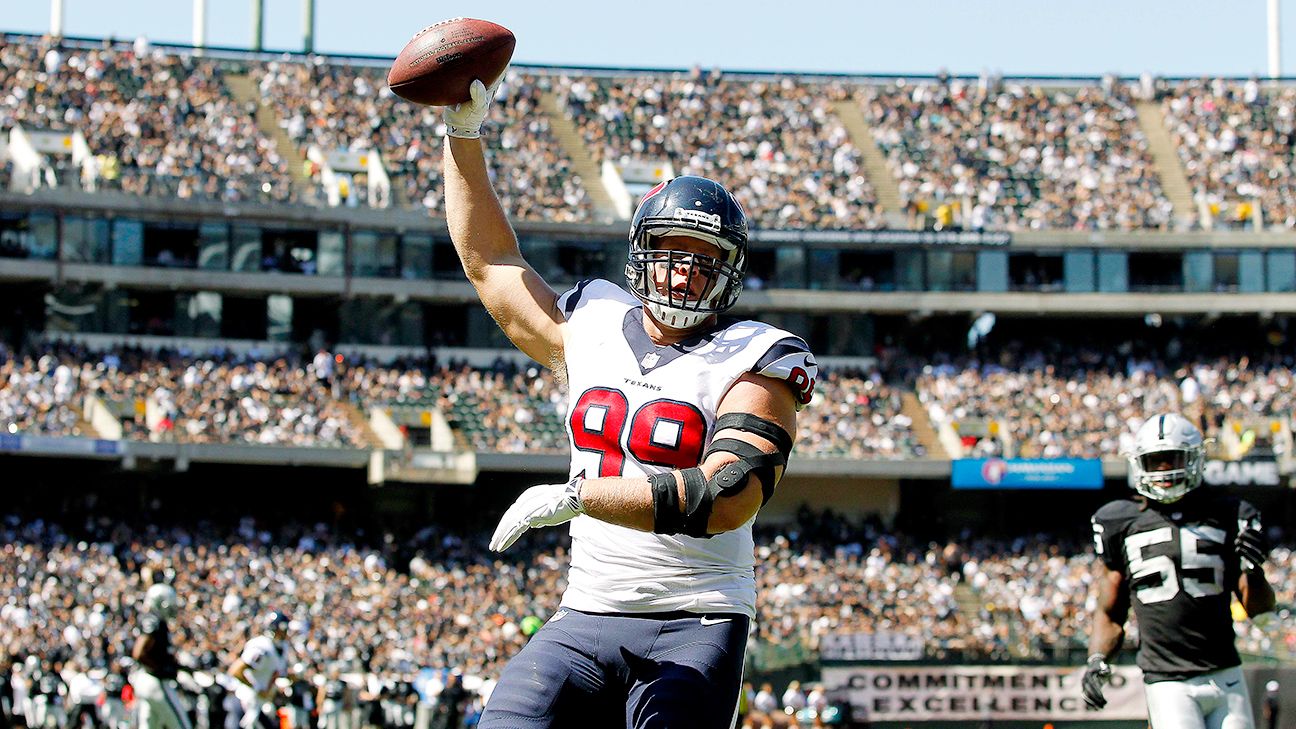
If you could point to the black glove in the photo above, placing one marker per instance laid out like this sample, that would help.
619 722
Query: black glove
1097 674
1251 547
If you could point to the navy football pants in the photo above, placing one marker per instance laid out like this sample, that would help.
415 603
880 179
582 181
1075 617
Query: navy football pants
641 671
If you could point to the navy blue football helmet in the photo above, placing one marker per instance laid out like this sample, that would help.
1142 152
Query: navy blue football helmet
698 208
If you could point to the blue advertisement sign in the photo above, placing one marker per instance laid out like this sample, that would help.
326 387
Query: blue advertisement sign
1022 473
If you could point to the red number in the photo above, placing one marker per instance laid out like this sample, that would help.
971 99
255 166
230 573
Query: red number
668 433
802 385
596 424
662 433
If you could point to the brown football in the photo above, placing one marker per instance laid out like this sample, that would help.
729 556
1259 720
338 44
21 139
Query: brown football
439 64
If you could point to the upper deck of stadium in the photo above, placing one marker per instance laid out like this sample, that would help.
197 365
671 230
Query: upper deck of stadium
570 145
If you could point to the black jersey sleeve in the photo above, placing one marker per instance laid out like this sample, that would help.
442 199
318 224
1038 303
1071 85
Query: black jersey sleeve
1110 524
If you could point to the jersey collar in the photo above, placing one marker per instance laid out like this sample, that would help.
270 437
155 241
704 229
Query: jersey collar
648 355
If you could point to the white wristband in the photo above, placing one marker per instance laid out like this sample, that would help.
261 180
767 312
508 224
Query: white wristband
462 133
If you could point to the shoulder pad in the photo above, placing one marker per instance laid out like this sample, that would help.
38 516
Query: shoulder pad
1117 513
571 298
790 360
1109 526
592 289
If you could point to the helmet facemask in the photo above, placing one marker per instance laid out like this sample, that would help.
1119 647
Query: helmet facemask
700 209
1166 476
712 285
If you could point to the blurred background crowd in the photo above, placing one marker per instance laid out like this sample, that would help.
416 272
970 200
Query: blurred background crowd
394 617
1080 403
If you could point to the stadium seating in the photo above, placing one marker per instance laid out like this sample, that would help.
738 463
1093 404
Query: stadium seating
338 106
157 123
40 397
1085 403
987 155
1234 140
774 142
1024 404
217 398
857 415
1019 157
440 599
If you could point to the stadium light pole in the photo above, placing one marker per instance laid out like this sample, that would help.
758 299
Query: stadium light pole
258 24
56 18
1275 41
308 26
199 26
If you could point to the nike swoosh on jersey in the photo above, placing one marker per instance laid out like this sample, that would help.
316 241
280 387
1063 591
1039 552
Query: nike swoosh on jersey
714 621
558 616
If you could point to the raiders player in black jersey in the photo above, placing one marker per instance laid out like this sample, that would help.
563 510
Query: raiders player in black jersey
1176 555
154 680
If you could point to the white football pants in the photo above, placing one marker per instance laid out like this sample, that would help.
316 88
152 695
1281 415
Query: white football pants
156 704
1216 700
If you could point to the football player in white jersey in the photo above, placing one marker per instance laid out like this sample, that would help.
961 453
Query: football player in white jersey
1177 555
680 419
262 660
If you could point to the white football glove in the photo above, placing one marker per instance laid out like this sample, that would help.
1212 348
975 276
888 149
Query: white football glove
464 120
539 506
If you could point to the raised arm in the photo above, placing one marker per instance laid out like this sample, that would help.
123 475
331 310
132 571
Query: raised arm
517 298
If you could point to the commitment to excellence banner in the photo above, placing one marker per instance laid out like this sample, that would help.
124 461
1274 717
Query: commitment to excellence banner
881 693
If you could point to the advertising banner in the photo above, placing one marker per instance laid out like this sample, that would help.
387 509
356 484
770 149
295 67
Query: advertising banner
880 646
1243 473
1020 473
952 693
53 445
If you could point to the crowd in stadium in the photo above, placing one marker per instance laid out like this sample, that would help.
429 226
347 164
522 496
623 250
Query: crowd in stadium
387 607
1016 156
963 153
342 107
167 396
777 144
1085 403
1028 403
1235 142
294 400
157 123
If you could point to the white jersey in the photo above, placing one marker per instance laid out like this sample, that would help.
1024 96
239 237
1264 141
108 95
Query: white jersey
637 409
265 661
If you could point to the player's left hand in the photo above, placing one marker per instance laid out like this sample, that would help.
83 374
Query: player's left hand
464 120
1252 548
539 506
1097 674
